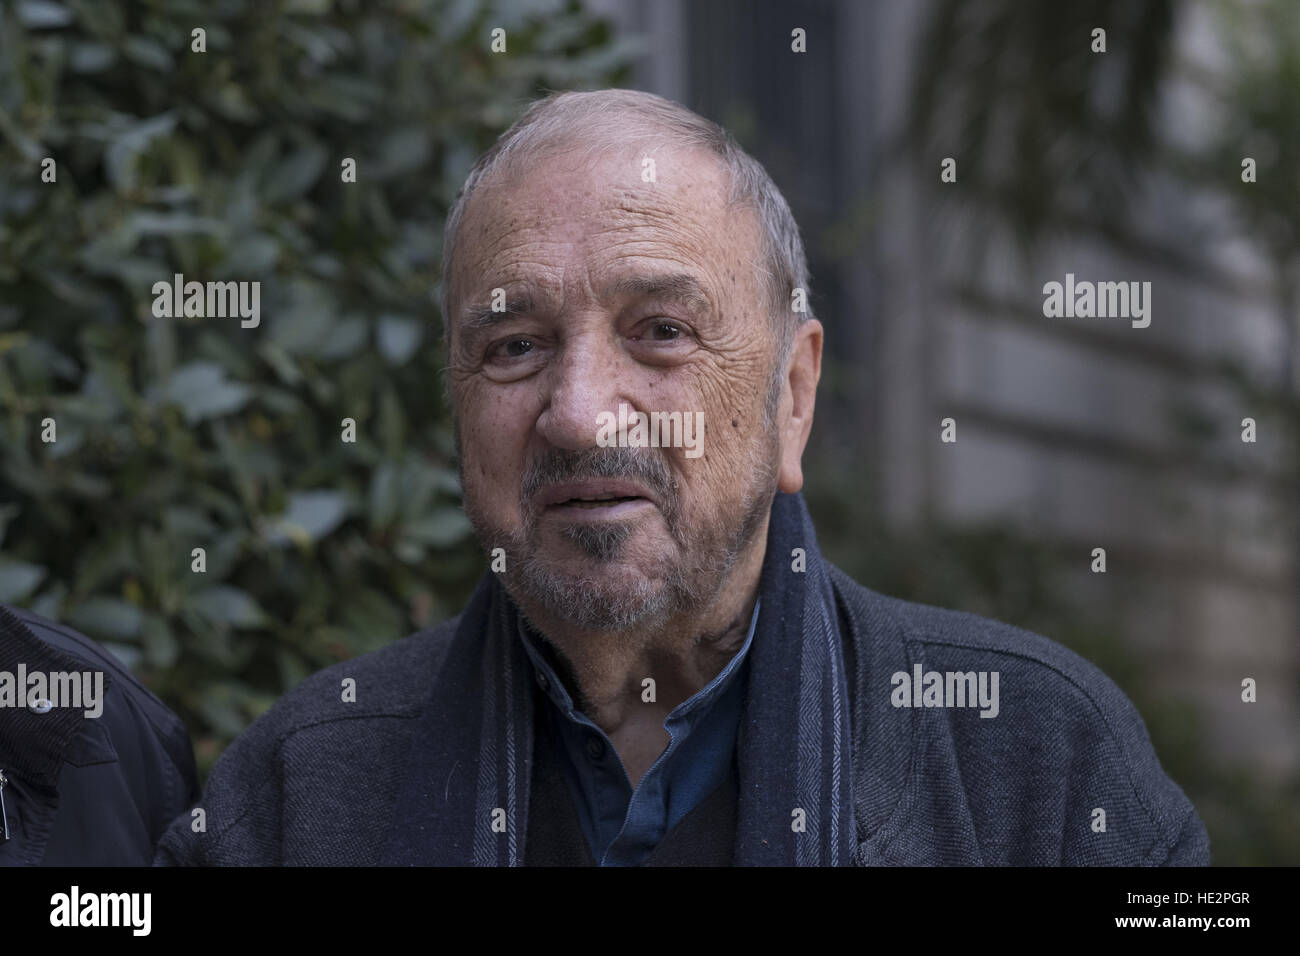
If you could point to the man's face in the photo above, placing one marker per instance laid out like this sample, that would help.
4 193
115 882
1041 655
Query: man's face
617 291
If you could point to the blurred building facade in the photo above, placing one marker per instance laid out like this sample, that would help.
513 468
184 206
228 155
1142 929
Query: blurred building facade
1066 427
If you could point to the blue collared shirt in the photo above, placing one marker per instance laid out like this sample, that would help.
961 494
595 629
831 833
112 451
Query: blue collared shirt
623 825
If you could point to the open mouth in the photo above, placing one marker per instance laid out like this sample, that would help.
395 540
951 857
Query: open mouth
597 501
600 498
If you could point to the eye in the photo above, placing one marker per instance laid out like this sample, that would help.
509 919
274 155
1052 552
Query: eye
660 338
512 348
660 330
665 331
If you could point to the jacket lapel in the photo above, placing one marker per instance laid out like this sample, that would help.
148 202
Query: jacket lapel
464 800
795 747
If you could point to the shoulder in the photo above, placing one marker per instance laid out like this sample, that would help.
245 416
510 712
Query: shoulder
1048 674
128 702
73 642
390 683
314 774
1064 741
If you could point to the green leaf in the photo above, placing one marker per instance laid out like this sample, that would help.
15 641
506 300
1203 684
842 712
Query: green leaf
311 515
441 529
296 174
345 339
126 148
402 151
172 224
91 57
109 617
300 328
279 360
183 521
71 438
291 667
147 52
372 620
128 656
227 606
43 14
251 256
203 391
18 579
161 648
220 706
384 499
398 338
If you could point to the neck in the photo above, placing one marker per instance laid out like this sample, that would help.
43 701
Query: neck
605 671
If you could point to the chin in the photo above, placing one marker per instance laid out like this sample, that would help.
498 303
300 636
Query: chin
594 595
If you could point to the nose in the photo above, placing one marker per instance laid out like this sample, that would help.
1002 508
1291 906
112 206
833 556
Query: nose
584 380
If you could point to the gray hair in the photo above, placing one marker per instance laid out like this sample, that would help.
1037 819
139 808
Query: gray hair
601 117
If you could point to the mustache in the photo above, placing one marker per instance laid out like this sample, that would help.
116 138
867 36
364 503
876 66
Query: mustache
564 464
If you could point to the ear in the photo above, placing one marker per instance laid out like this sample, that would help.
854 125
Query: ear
796 416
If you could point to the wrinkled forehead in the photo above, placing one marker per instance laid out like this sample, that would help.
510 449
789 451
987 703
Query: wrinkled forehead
573 206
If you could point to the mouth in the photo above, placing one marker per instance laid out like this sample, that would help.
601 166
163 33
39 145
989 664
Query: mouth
595 503
602 496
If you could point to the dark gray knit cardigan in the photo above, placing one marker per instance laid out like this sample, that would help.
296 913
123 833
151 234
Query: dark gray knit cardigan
838 763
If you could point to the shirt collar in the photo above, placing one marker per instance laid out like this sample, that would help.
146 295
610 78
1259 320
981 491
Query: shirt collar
553 687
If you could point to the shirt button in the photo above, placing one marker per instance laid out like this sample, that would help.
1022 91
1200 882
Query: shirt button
542 682
595 748
42 706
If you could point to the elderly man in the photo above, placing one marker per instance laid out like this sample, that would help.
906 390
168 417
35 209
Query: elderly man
660 668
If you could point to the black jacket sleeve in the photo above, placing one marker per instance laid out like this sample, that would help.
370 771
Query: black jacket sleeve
94 785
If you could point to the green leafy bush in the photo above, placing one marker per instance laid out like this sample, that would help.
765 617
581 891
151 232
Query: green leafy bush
176 434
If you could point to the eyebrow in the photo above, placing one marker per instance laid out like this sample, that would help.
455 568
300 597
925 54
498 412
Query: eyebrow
476 317
676 287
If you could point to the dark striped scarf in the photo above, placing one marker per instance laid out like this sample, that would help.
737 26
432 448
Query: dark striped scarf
464 801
